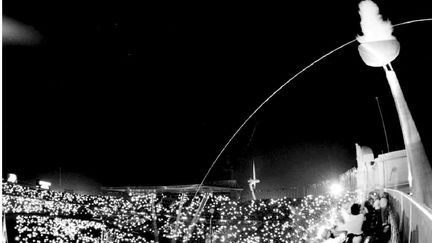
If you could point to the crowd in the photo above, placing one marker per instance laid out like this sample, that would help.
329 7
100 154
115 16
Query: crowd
51 216
40 214
357 222
34 228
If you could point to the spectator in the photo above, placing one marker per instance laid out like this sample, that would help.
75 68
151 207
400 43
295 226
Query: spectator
384 209
376 214
376 201
324 235
369 224
353 225
384 230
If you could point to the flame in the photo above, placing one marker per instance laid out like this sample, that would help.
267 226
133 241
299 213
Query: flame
374 28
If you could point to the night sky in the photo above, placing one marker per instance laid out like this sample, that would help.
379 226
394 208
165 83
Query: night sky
128 94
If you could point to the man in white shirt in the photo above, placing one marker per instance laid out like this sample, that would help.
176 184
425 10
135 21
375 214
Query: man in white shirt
353 224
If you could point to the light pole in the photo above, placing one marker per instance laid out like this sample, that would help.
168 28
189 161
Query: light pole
211 211
252 182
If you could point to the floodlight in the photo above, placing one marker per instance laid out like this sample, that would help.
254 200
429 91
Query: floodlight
44 184
336 189
12 178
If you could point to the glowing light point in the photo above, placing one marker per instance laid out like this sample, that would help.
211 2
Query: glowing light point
336 189
12 178
44 185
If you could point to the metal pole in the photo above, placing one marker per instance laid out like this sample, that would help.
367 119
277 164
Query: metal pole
211 229
5 235
383 124
195 219
211 211
60 179
177 222
154 217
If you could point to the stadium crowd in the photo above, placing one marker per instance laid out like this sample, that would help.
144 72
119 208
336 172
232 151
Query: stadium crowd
51 216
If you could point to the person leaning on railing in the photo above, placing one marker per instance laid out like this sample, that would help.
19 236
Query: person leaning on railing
384 209
384 233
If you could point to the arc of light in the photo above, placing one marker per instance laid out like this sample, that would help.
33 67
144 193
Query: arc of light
277 91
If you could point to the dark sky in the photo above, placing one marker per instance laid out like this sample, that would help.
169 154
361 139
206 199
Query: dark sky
132 94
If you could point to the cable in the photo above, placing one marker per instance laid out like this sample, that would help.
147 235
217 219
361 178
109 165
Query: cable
280 88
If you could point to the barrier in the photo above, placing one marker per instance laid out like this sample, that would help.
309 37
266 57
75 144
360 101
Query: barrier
413 220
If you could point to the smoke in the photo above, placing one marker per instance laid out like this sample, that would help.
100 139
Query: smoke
374 28
16 33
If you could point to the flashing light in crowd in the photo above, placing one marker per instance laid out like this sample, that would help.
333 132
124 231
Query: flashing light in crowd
44 184
12 178
336 189
136 219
